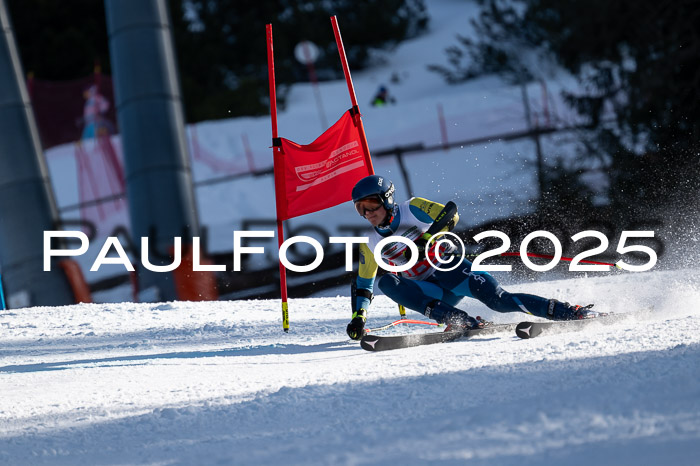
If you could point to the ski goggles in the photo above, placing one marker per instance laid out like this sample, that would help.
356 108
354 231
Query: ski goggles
369 204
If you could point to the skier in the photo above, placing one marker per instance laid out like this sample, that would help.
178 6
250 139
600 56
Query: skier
382 97
423 288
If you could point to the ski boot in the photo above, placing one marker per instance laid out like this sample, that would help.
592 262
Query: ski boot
470 324
565 311
454 318
483 322
463 321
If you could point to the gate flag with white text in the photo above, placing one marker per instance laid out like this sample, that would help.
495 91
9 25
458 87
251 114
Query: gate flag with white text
319 175
322 174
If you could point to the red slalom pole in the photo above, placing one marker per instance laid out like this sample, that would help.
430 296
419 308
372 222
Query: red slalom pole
357 118
279 174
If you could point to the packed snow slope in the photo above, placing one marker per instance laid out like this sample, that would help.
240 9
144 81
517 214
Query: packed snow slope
220 383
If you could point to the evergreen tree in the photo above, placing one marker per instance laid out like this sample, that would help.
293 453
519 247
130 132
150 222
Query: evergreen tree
60 40
222 49
220 44
637 63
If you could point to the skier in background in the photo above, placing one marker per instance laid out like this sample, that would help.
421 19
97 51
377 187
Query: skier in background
434 293
382 97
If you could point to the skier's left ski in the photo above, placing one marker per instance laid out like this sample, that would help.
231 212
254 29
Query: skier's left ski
527 330
372 342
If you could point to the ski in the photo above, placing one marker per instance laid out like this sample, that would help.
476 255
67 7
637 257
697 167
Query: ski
527 330
372 342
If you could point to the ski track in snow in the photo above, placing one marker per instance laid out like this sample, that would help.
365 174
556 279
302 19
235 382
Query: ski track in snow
220 383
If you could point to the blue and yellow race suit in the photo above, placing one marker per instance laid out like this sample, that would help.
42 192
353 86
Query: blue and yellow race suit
420 287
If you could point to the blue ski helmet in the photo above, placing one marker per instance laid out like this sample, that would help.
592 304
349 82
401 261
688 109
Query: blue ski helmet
375 186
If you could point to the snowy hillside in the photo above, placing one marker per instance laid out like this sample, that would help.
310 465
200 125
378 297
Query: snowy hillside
219 383
491 180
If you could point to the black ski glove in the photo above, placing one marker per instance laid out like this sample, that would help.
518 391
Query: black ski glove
356 327
421 243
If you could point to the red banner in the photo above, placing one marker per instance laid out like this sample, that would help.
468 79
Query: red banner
321 174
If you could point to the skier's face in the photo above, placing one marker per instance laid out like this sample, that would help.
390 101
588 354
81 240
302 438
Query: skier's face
372 209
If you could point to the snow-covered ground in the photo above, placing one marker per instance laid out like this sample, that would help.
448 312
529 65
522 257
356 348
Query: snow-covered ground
220 383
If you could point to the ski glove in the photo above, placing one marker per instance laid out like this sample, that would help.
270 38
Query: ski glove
421 243
356 327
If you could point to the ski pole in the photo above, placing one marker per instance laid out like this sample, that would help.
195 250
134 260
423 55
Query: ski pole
2 296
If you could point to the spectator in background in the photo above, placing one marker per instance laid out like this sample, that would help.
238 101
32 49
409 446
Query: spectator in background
382 97
93 110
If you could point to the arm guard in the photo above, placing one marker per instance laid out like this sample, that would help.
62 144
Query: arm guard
365 296
363 283
441 217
